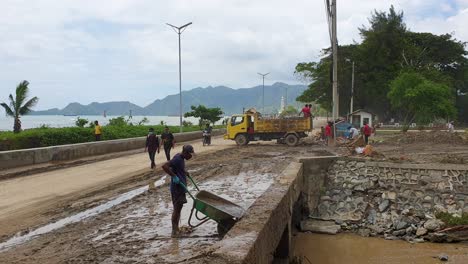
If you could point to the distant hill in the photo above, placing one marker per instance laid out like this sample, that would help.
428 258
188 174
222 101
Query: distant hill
229 100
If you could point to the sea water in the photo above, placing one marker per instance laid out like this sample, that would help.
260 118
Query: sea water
33 121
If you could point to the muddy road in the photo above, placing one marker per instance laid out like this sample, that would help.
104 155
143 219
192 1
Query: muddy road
128 222
33 200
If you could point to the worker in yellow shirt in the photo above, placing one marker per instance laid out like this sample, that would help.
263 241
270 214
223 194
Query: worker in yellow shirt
97 130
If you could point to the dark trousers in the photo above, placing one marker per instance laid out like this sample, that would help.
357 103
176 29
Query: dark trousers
98 137
167 150
151 156
366 139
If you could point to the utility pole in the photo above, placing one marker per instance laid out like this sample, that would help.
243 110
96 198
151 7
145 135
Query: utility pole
263 93
352 91
335 63
179 31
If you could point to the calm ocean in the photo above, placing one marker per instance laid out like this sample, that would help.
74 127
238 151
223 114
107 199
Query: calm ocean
31 121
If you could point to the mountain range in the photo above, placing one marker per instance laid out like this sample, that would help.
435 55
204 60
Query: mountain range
228 99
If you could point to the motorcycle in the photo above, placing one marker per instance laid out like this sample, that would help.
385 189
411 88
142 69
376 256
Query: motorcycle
206 138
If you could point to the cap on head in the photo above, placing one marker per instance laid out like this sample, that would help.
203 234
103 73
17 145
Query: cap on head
188 149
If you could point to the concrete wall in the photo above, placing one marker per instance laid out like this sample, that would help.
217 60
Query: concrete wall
25 157
264 232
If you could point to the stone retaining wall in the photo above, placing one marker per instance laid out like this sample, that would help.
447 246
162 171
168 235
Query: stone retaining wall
25 157
391 198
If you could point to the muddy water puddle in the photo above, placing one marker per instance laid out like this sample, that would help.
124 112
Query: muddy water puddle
19 239
354 249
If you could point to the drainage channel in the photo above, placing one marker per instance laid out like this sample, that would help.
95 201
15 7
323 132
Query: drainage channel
20 239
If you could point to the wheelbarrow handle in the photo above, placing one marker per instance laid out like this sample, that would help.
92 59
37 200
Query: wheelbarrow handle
194 184
186 189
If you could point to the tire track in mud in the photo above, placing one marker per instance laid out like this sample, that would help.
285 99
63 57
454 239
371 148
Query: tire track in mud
138 230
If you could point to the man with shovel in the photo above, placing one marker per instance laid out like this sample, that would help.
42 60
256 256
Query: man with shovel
176 169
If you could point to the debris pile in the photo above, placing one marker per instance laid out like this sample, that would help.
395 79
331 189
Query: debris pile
433 137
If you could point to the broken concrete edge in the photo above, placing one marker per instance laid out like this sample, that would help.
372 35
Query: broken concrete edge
26 157
255 238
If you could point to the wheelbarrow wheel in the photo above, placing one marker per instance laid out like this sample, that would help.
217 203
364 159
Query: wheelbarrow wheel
224 226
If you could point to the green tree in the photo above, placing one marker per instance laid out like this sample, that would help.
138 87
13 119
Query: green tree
289 110
319 75
417 99
211 115
143 121
18 107
118 121
81 122
387 49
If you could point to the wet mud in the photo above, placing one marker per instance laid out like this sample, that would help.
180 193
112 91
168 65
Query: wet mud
135 226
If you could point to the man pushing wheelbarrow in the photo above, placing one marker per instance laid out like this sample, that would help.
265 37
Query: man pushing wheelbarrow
213 207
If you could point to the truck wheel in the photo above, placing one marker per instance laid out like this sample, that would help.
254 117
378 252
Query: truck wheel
291 140
241 140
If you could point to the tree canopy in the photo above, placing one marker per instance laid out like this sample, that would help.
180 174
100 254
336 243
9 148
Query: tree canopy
417 99
210 115
388 48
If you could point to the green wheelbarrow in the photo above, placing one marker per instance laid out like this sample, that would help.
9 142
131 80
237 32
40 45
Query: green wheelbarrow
213 207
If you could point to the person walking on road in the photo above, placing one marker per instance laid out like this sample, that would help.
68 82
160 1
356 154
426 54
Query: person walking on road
152 146
176 169
97 131
167 139
367 131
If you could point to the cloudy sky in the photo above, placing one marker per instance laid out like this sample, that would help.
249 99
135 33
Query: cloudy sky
87 50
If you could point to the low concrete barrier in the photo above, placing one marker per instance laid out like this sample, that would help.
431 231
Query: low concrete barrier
25 157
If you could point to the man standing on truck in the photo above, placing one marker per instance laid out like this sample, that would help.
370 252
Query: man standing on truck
306 111
167 139
176 169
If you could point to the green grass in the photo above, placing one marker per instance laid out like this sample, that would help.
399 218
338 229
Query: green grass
45 137
450 220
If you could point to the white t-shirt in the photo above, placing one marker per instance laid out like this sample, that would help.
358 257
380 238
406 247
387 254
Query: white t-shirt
353 132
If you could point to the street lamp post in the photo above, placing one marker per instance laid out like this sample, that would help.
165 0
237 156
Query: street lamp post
352 86
263 91
179 31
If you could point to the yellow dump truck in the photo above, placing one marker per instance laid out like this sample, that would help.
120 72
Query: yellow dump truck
251 126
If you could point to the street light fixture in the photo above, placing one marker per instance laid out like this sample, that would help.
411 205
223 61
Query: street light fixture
263 93
179 31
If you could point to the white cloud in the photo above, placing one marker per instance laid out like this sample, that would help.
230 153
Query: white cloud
122 50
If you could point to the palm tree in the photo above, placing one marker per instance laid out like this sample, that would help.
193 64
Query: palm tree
16 108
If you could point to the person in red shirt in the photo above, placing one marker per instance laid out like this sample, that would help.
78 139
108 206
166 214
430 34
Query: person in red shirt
367 132
328 132
306 110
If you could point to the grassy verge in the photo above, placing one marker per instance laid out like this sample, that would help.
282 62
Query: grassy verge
45 137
